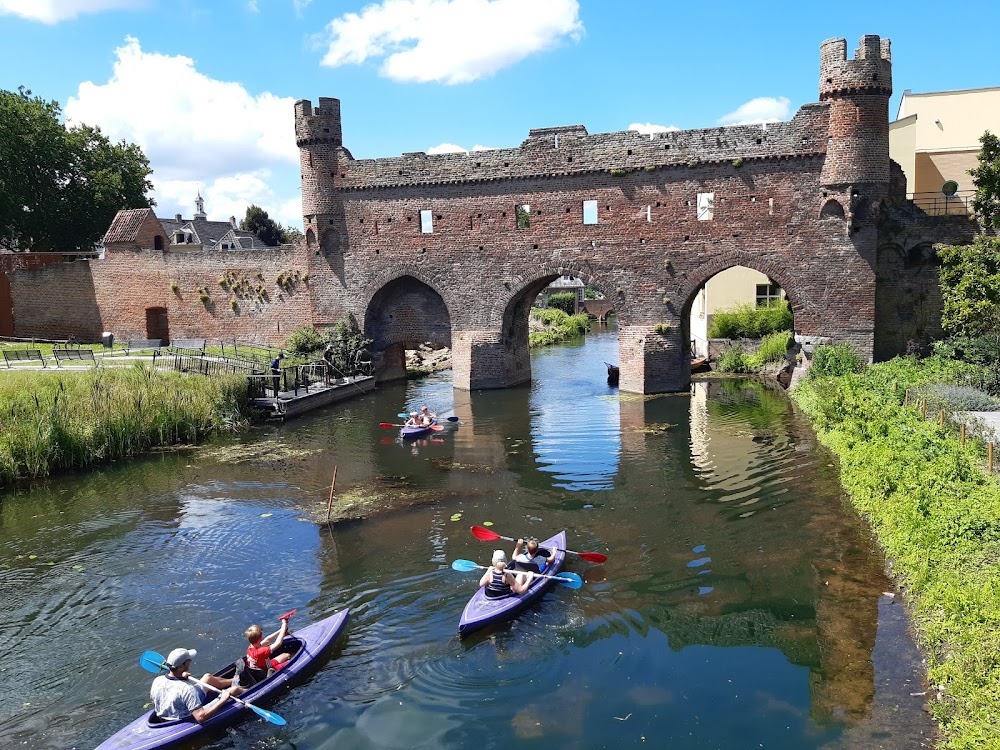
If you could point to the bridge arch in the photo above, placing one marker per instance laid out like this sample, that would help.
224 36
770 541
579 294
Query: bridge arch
402 312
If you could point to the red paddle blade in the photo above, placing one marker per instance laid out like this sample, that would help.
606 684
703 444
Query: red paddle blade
288 614
594 557
386 425
481 532
436 427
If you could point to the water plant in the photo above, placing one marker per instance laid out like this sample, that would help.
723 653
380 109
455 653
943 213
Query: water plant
61 421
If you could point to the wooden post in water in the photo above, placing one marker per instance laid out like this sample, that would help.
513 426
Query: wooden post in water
329 503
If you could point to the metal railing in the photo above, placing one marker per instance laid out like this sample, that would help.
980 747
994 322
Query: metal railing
938 204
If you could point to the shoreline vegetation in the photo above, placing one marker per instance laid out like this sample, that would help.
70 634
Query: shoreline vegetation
53 422
936 514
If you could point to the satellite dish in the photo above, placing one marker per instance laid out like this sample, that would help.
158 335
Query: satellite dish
949 188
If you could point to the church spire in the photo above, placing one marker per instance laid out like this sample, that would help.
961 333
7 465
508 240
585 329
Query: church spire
200 205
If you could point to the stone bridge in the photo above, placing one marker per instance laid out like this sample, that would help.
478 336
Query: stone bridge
453 248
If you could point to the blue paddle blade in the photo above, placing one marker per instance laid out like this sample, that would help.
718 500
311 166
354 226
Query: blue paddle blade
402 415
569 580
464 565
269 715
152 662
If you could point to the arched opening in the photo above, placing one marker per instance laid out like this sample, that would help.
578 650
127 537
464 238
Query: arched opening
404 314
832 210
736 303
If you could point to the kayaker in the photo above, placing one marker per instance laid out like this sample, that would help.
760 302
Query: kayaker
413 421
530 559
260 656
175 697
427 417
499 581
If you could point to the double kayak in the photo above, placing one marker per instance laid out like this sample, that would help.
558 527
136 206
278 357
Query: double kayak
408 433
483 610
308 644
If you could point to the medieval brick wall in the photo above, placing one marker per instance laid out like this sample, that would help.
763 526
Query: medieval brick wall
9 263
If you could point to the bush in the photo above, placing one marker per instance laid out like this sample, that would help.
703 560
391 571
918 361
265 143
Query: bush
773 348
558 326
947 397
835 360
732 359
304 340
565 301
750 322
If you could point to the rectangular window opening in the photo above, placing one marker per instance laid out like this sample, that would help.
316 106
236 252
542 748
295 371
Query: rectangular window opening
590 212
768 294
426 221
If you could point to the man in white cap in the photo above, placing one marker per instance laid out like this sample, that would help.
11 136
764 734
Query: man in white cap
176 696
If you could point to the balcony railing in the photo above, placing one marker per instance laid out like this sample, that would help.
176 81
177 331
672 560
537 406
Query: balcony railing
938 204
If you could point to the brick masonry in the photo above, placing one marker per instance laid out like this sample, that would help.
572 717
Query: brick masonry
800 201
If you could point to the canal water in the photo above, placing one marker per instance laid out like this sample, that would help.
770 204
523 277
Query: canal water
743 605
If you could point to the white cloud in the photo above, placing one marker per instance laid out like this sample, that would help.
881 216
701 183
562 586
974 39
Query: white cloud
759 110
648 128
196 131
54 11
451 148
449 41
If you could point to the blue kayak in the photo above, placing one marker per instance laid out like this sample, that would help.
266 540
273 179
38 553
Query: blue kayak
408 433
149 732
483 610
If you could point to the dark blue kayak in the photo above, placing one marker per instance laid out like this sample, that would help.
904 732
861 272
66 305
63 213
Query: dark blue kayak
408 433
148 732
482 610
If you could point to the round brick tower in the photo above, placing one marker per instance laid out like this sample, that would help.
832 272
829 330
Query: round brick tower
858 91
319 138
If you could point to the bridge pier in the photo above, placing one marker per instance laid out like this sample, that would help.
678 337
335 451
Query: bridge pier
482 359
652 362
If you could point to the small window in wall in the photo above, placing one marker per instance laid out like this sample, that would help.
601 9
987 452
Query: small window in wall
768 294
706 206
590 212
523 215
426 222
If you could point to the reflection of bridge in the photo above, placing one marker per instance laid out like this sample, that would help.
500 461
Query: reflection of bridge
599 308
454 248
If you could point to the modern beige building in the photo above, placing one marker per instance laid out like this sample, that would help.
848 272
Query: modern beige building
727 289
935 138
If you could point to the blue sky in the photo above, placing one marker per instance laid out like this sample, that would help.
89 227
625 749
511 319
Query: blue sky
206 86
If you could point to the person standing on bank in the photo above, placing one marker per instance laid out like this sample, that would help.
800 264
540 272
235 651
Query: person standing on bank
328 364
175 696
276 371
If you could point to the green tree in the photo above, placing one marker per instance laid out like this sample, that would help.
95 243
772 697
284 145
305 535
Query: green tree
970 287
258 222
61 187
986 178
565 301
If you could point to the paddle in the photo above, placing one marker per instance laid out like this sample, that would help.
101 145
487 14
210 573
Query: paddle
287 615
388 425
153 662
569 580
481 532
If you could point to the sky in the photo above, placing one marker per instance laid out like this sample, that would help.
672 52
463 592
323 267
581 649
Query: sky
206 87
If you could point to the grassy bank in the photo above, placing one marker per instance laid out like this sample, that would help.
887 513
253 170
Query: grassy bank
550 326
936 513
56 421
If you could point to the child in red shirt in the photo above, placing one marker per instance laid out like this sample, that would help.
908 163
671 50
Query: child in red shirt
259 651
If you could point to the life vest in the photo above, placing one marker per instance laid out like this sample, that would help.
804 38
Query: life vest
497 586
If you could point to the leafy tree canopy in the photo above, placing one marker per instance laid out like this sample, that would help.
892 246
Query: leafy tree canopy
970 286
61 187
270 231
986 178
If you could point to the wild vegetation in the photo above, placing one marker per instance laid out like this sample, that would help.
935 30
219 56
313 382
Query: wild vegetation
349 343
935 512
550 326
51 422
773 348
750 322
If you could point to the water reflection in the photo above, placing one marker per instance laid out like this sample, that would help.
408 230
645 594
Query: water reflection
741 604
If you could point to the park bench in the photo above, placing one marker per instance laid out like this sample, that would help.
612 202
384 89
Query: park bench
188 345
80 355
136 345
22 355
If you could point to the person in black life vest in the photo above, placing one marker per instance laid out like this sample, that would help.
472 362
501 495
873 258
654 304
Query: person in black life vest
276 371
499 581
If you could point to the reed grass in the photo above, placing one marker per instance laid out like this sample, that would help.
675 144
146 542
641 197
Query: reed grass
556 326
52 422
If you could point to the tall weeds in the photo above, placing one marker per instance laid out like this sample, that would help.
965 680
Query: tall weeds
56 421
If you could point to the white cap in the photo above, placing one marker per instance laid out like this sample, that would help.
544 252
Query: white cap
180 655
499 556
